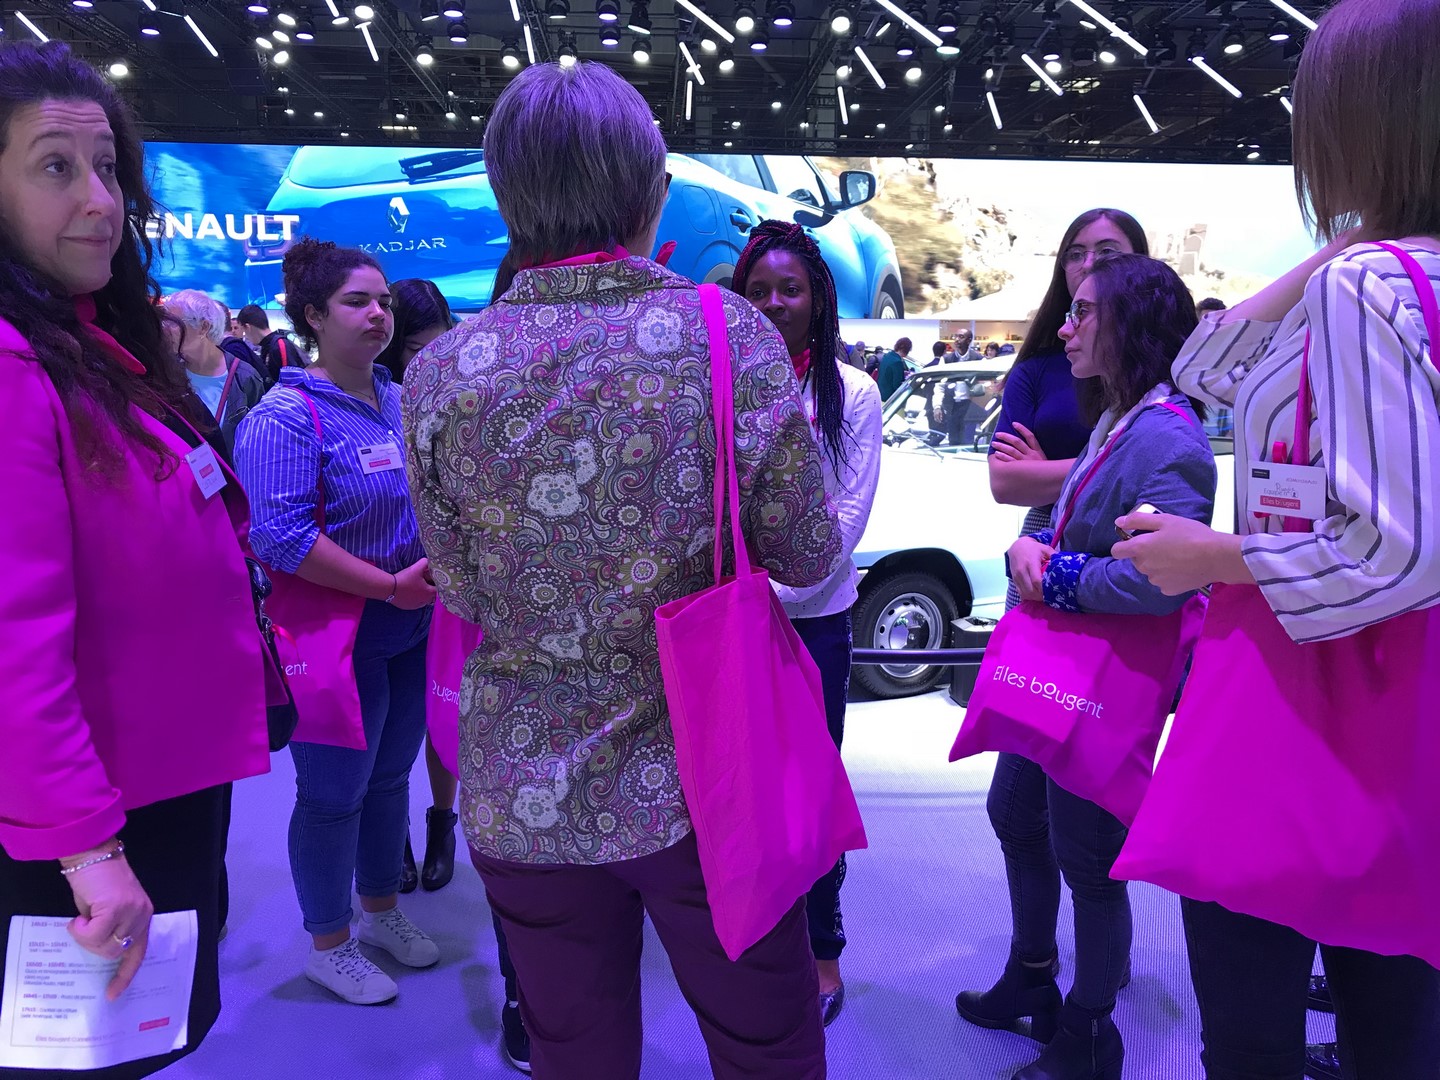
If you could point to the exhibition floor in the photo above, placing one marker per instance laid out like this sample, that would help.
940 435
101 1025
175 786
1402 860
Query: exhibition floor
925 908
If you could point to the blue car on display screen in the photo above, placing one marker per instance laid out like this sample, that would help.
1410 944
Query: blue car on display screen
432 214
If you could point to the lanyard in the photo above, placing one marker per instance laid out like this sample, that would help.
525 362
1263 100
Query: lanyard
225 392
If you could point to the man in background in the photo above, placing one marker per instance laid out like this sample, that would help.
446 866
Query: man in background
894 366
964 342
276 348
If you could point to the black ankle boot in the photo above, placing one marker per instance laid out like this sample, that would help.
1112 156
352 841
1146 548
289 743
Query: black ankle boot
1023 991
1087 1047
439 849
408 877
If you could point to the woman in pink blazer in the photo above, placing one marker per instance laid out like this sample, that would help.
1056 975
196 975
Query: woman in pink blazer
120 551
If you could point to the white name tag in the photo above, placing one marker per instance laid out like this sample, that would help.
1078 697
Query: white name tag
382 457
209 476
1296 491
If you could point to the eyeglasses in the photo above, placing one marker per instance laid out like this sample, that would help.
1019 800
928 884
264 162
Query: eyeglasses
1074 256
1078 311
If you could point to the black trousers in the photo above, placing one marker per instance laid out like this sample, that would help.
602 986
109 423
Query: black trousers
827 638
1251 978
176 849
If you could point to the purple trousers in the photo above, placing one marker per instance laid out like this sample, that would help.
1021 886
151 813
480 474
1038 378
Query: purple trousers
575 935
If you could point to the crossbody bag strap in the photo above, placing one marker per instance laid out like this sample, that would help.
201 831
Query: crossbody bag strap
320 454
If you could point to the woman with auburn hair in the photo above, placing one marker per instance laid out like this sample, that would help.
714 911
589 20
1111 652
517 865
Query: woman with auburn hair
123 549
1129 318
562 450
1356 576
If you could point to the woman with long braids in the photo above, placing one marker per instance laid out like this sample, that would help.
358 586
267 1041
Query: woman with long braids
782 273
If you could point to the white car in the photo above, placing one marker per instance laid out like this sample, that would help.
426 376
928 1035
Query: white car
934 549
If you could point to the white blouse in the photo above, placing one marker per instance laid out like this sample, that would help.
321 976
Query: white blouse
1376 432
851 492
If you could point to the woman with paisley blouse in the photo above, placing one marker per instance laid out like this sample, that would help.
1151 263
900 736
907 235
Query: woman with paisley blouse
561 452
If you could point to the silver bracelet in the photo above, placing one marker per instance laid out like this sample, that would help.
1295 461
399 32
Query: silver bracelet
394 588
118 850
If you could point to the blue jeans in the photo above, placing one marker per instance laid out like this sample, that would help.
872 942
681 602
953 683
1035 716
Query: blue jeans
1044 831
352 806
827 639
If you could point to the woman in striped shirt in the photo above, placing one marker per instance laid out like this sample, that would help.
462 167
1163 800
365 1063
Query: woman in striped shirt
352 805
1371 556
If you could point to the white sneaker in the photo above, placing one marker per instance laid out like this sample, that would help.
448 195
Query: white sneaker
397 935
345 972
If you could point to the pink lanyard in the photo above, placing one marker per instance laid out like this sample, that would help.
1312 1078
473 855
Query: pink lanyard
1100 460
225 392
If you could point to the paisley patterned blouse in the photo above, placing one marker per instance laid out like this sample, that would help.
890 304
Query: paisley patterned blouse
561 453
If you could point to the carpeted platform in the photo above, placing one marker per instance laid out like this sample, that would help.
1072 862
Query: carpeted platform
925 910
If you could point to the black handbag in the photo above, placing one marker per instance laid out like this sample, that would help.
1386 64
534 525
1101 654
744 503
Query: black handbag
280 720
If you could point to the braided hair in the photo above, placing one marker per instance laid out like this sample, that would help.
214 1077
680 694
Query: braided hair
824 334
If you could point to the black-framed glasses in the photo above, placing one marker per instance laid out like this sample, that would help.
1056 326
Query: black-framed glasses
1078 311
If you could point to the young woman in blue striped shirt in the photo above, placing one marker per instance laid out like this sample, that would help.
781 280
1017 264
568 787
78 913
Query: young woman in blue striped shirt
351 807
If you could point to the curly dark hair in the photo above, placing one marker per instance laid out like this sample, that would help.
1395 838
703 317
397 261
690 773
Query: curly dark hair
824 335
418 304
314 270
1145 314
97 395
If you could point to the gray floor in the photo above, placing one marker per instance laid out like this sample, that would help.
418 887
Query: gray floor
925 909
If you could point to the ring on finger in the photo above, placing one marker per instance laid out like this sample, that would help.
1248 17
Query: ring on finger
124 942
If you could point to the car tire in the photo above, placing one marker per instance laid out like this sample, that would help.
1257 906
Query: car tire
909 606
890 304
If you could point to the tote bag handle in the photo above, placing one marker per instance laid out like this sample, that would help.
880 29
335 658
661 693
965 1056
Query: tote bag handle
722 404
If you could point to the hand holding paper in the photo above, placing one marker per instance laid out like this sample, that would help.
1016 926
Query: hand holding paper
113 906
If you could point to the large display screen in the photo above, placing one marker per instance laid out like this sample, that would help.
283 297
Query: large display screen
924 239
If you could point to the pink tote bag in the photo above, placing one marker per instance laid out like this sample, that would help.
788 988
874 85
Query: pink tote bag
315 631
1299 784
768 796
452 640
1084 696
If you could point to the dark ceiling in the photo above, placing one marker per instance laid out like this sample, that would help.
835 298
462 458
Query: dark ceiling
785 98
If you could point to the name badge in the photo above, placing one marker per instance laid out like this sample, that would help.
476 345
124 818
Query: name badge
1296 491
381 457
205 466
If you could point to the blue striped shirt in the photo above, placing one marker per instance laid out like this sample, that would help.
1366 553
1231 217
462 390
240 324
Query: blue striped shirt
277 458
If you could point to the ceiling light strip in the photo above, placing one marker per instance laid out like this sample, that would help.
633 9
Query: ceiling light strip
190 22
1229 87
874 74
1296 14
31 26
1055 88
994 110
910 21
529 44
689 98
150 4
1290 108
369 42
691 65
334 11
1113 30
515 10
1145 112
728 37
844 105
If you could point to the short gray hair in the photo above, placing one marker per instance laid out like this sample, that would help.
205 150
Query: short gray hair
193 307
575 160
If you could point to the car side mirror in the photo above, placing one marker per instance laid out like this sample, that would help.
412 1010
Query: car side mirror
856 188
812 219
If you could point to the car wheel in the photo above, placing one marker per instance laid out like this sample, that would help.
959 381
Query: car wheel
907 610
890 305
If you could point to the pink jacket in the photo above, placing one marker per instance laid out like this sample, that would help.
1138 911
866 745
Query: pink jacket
130 664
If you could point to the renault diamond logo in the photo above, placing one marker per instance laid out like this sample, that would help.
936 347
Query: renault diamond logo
399 214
